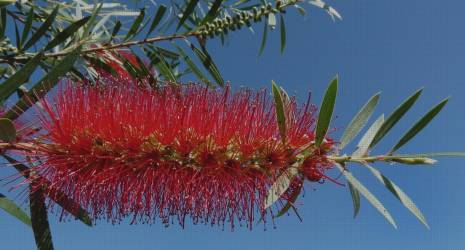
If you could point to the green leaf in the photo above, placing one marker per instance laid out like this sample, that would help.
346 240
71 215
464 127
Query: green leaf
90 23
10 207
399 194
39 218
283 34
208 64
44 85
280 186
213 12
135 26
326 111
10 85
66 33
419 125
355 194
359 121
3 22
191 65
264 36
164 52
367 194
116 29
367 138
272 21
395 117
290 203
27 24
42 29
7 130
157 60
187 12
58 196
279 107
156 20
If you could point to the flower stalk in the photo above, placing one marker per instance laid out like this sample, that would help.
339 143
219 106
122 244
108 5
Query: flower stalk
404 159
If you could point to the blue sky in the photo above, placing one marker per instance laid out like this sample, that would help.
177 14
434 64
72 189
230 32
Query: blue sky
391 46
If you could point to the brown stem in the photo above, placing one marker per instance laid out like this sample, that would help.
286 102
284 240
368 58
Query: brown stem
107 47
22 146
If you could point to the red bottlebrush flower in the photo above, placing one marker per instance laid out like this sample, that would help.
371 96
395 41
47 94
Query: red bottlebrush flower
172 153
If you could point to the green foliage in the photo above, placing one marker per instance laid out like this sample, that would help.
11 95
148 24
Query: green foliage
359 121
280 186
279 107
361 156
39 219
326 111
357 185
7 130
395 117
10 207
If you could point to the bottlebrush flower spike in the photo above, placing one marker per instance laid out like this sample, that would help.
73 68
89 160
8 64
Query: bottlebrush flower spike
174 152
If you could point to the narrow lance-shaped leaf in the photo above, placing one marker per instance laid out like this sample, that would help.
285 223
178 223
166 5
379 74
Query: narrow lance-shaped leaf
44 85
10 85
213 12
42 29
191 65
326 111
3 22
368 195
395 117
93 17
27 24
367 138
7 130
158 61
116 29
135 26
208 64
264 36
164 52
187 12
10 207
355 194
156 20
399 194
359 121
279 107
66 33
283 33
280 186
419 125
39 218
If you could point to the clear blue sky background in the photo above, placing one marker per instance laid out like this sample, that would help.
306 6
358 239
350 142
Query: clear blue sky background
391 46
